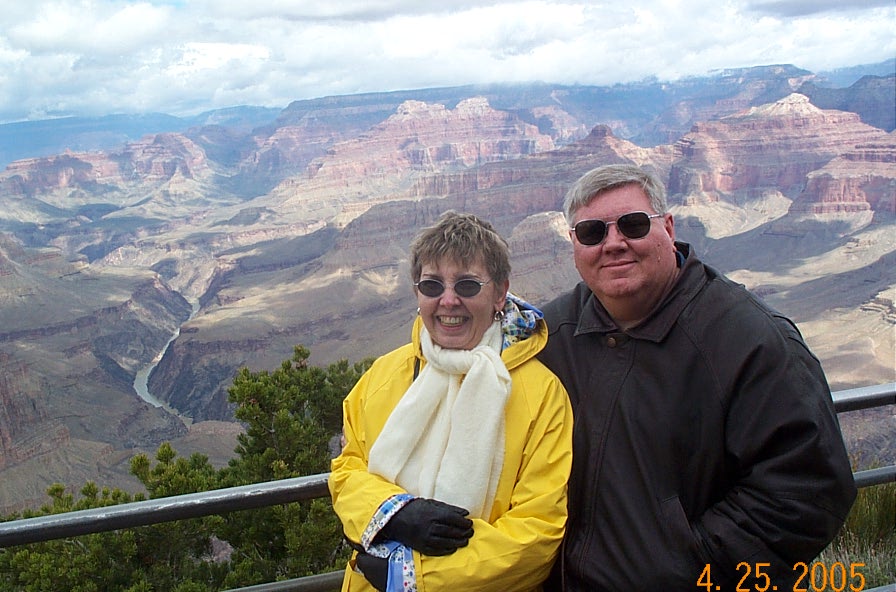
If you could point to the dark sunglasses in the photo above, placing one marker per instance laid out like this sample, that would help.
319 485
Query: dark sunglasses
631 225
464 288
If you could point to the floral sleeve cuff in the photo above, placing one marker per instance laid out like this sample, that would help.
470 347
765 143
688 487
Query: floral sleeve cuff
402 573
382 515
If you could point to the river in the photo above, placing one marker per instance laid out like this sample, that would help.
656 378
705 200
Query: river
141 380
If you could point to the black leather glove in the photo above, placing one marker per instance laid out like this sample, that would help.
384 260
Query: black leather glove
375 569
430 526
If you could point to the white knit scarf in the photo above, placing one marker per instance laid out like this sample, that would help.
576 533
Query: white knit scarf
445 438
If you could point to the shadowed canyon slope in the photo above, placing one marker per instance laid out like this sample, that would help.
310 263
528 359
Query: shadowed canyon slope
240 244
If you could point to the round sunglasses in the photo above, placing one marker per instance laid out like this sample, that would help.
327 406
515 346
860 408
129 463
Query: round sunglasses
631 225
466 288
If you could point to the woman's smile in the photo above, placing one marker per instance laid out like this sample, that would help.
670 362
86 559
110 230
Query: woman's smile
452 321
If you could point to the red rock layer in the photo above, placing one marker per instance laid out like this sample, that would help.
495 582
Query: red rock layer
774 146
861 179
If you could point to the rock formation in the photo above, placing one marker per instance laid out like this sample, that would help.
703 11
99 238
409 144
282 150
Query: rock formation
419 138
296 233
861 179
772 146
71 341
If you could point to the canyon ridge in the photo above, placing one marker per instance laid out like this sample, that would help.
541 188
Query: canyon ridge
225 241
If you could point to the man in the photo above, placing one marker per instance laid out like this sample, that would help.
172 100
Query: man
706 449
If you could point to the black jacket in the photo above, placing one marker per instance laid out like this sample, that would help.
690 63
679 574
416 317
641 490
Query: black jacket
704 436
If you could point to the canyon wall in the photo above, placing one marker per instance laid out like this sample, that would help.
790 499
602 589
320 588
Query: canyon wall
296 233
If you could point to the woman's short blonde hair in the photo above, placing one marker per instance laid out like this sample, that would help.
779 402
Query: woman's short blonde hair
465 240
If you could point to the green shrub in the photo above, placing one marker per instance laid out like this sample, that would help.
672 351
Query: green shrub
868 536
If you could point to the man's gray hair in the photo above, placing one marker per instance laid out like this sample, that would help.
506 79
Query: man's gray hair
613 176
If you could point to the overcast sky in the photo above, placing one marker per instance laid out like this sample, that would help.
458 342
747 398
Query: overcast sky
93 57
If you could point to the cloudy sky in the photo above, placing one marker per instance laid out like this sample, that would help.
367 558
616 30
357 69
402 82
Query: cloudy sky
91 57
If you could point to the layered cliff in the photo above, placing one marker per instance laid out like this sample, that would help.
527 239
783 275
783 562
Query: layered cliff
383 162
297 233
71 343
26 429
768 147
862 179
555 166
365 262
88 177
373 171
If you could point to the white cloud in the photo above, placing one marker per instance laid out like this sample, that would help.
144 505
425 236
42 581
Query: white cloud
200 57
184 56
90 27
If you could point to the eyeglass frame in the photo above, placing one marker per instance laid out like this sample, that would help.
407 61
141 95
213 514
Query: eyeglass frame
453 287
607 227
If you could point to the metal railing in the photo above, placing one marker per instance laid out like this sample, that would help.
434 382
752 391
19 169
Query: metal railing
246 497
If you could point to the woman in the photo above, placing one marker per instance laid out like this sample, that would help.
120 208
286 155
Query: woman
457 446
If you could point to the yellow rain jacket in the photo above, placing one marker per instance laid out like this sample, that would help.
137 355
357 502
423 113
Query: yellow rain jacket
515 549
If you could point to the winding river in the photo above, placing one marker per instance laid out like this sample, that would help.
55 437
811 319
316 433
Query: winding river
141 380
